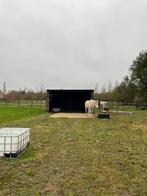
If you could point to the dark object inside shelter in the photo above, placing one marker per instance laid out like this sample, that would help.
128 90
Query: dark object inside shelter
67 100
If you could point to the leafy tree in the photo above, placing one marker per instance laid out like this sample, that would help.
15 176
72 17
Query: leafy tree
139 74
126 91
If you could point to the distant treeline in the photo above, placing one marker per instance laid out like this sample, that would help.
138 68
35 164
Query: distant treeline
25 95
124 92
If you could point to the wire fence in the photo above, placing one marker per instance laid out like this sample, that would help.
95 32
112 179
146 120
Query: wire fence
42 103
122 106
19 103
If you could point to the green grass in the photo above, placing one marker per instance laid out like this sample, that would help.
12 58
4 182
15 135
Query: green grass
79 157
16 113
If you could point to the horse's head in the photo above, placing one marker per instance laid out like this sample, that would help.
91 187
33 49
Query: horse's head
96 104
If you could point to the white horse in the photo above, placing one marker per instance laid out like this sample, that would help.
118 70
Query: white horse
104 105
91 106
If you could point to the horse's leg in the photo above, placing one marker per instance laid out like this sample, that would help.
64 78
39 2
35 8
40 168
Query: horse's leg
91 111
87 110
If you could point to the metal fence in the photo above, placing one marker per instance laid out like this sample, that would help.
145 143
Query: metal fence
28 103
122 106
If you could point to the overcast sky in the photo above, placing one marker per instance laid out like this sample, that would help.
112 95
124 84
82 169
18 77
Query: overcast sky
69 43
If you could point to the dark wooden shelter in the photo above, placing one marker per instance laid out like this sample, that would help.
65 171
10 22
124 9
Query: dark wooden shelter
67 100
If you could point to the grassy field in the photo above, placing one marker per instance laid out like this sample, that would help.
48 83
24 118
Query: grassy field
77 156
8 114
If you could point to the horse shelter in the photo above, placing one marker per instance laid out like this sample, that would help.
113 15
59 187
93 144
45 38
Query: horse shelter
67 100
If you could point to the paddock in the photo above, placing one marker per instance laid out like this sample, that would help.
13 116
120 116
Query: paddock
69 155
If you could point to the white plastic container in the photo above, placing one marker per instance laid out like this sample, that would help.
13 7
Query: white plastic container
13 140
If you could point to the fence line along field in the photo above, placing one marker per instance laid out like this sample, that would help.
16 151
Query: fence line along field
76 156
31 103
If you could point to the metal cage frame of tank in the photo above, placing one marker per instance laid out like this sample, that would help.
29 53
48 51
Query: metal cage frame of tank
13 141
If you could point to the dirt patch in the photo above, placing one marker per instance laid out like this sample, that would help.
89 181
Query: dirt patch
141 126
49 188
72 115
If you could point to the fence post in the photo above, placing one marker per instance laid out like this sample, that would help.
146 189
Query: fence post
18 102
117 106
6 103
32 103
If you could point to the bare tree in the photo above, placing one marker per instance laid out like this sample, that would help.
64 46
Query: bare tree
103 88
109 87
4 87
96 89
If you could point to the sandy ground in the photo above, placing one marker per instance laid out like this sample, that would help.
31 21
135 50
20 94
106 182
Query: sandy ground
72 115
82 115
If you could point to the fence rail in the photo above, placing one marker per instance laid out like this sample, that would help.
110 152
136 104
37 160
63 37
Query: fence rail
127 106
121 106
18 103
42 103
